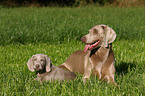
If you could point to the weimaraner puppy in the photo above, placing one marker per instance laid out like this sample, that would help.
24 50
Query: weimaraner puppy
97 56
46 71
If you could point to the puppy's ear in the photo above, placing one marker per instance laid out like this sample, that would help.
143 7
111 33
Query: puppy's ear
30 64
48 63
110 35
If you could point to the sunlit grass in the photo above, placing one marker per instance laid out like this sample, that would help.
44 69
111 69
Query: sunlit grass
17 79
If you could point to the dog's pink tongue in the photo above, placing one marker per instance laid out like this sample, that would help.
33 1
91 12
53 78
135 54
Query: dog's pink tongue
86 48
94 45
90 46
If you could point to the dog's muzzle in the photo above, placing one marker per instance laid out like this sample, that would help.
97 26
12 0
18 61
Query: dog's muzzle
37 67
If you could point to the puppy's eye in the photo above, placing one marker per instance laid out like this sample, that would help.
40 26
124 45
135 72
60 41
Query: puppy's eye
95 31
42 59
35 59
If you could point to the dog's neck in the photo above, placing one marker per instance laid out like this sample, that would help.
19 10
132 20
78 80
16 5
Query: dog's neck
101 49
94 51
40 72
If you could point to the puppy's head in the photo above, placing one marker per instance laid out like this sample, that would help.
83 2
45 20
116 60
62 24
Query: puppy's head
39 62
99 35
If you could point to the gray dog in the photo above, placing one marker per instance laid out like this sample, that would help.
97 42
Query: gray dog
97 56
47 72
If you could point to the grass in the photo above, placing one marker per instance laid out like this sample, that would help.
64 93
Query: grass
56 32
56 25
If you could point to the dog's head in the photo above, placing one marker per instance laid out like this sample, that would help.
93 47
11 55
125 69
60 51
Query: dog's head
99 36
39 62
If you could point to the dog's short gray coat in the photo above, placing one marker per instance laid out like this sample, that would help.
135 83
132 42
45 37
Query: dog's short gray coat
46 71
97 61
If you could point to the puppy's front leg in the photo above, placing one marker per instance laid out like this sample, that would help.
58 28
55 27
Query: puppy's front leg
35 79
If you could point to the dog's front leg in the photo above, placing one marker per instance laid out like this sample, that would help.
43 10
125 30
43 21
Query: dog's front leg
87 66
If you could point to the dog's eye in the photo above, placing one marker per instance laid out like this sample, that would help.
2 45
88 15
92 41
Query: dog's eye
42 59
95 31
35 59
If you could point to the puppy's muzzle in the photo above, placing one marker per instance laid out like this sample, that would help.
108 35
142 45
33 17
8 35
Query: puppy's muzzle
83 39
37 67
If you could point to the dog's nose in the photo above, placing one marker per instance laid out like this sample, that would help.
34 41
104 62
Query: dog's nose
37 65
83 39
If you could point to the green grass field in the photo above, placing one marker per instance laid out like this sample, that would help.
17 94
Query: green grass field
56 32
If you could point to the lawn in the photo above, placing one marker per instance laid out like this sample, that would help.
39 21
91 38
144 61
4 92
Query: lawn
56 32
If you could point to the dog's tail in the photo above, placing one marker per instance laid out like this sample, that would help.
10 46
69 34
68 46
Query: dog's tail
62 66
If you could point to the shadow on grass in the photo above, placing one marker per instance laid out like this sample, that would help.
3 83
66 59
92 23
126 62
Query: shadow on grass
124 68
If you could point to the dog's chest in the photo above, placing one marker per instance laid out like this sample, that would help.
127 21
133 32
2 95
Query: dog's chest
40 77
100 56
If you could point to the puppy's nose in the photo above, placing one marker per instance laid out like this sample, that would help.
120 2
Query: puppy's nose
83 39
37 65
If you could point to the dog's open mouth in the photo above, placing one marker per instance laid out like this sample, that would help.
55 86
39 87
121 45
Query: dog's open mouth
91 46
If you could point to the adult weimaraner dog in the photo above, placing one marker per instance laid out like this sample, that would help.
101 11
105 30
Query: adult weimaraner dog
97 56
46 71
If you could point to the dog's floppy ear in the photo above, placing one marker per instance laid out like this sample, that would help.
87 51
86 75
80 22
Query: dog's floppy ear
30 64
110 35
48 63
